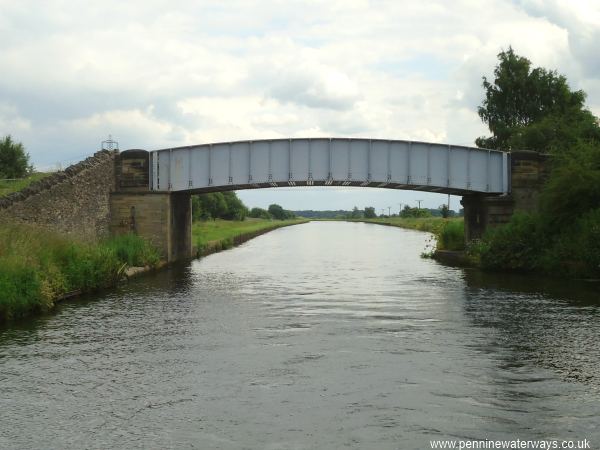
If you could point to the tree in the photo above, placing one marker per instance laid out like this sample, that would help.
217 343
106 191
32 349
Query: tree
444 210
414 212
277 212
218 205
259 213
356 213
532 109
370 212
14 161
236 210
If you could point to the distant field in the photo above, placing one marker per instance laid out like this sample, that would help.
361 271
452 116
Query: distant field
8 186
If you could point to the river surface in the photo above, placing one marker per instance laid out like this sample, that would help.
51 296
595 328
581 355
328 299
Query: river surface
319 336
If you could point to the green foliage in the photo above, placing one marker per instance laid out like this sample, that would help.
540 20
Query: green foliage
259 213
218 205
14 161
444 210
514 246
133 250
451 236
370 212
575 250
414 212
535 109
532 109
38 266
574 185
278 213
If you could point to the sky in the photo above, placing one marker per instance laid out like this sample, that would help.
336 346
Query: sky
157 74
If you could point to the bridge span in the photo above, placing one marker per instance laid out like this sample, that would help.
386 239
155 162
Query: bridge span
152 195
391 164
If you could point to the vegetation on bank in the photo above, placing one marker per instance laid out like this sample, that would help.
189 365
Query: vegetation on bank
216 235
369 213
534 109
449 233
38 267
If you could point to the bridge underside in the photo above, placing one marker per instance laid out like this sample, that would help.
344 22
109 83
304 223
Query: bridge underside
373 184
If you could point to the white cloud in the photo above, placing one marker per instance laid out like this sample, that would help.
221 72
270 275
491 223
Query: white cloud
161 73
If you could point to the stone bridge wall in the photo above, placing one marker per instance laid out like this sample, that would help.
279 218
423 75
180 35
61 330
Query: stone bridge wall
74 201
528 172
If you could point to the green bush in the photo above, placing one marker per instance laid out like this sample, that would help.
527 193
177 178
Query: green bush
38 266
133 250
575 251
451 236
514 246
20 288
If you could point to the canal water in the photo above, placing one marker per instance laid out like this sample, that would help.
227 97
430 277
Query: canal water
318 336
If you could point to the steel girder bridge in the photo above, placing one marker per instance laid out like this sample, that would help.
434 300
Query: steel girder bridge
393 164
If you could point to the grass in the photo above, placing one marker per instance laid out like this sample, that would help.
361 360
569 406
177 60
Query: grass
215 235
9 186
37 267
448 234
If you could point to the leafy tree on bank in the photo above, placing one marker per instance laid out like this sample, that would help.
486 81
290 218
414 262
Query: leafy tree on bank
259 213
532 108
218 205
445 211
414 212
14 161
535 109
370 212
354 214
277 212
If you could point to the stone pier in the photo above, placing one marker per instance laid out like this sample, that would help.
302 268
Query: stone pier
528 173
163 218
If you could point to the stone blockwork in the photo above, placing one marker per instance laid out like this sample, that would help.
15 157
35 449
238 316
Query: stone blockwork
528 173
74 201
164 218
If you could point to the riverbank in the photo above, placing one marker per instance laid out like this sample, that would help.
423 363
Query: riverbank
448 233
213 236
38 267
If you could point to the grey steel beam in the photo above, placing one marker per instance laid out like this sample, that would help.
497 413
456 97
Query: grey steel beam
327 161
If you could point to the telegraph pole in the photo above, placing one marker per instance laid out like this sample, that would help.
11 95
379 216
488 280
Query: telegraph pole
389 211
419 201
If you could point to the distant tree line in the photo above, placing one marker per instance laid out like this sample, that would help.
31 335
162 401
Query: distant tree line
274 211
369 213
228 206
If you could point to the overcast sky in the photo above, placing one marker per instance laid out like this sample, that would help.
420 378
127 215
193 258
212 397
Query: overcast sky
159 74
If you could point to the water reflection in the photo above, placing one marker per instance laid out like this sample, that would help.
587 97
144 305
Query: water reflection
325 335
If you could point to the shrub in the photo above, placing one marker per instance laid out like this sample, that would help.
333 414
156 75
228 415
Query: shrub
451 236
38 266
132 250
575 251
514 246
